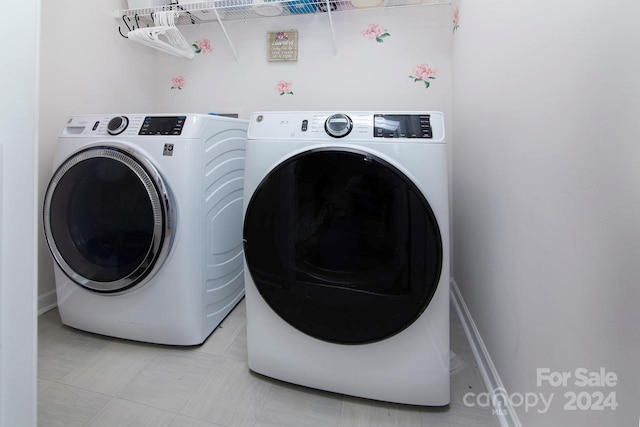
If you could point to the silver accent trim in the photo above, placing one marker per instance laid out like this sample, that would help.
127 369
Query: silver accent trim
124 122
338 118
162 206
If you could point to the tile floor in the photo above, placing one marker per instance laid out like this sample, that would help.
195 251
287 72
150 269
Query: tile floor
92 380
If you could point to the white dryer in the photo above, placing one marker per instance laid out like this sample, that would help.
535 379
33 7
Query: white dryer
347 253
143 217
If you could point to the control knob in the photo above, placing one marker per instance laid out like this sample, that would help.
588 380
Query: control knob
117 125
338 125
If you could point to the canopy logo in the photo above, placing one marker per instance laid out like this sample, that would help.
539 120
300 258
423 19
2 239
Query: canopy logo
593 393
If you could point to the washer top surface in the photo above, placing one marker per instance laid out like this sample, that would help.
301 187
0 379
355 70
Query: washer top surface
355 126
140 125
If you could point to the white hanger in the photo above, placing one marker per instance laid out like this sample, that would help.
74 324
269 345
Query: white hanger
164 36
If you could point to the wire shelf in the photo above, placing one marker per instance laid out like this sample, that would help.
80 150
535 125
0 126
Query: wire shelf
221 11
235 10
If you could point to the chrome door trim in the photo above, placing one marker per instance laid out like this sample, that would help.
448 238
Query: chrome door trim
162 205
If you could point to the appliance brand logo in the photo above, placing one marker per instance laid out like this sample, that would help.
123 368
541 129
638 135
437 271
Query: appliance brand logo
168 150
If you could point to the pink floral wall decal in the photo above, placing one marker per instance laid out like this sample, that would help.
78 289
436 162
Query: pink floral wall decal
456 18
177 82
202 46
284 87
376 32
423 73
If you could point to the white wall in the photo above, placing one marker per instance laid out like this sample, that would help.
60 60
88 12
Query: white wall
546 193
86 67
363 75
18 119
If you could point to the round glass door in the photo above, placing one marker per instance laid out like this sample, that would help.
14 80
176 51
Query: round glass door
107 219
342 246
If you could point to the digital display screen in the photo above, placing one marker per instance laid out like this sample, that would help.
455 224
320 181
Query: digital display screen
402 126
162 125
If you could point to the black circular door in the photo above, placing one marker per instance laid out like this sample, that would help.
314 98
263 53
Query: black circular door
107 219
342 246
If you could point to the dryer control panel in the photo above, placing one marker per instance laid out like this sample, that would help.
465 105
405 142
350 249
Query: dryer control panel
402 126
397 127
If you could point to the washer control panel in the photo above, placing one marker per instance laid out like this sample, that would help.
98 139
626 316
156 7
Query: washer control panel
162 125
132 125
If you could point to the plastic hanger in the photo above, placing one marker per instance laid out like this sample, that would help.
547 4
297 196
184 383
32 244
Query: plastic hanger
164 36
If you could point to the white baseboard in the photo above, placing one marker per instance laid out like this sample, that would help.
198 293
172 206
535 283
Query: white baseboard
47 302
505 413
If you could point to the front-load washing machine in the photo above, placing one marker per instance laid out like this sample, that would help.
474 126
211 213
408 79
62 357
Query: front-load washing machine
143 217
347 253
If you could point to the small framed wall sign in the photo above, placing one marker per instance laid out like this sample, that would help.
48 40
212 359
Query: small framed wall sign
282 45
